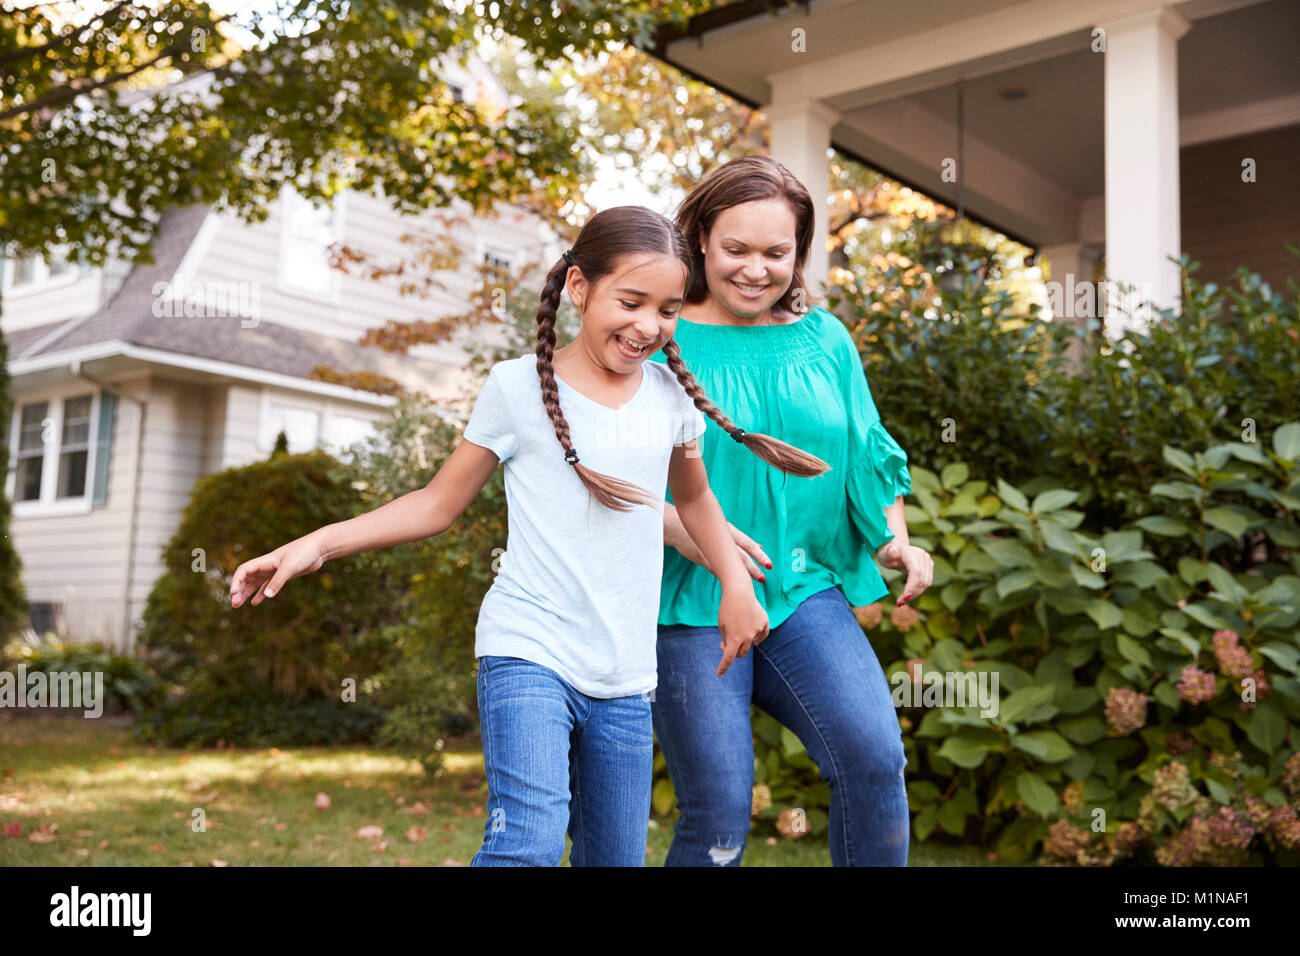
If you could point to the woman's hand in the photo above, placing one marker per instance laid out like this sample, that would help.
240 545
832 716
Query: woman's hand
302 556
908 557
750 552
742 621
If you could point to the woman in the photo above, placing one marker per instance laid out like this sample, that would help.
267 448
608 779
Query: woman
793 373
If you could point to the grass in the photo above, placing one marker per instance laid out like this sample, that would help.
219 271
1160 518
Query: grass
95 797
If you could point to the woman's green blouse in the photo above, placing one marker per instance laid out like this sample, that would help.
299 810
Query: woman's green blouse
802 383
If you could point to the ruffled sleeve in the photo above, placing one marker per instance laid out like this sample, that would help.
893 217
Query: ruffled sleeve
880 473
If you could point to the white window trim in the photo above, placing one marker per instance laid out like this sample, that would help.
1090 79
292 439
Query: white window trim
327 421
283 285
41 281
47 506
293 401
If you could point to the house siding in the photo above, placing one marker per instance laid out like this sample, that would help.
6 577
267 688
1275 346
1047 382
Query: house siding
1228 223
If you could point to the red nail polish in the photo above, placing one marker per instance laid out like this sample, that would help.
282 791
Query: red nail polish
762 578
769 565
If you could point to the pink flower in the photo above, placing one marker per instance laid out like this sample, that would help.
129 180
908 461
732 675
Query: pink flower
1197 685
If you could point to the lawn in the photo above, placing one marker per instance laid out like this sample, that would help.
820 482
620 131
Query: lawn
91 795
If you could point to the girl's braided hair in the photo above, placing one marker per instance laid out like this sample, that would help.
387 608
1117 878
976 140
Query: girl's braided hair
611 233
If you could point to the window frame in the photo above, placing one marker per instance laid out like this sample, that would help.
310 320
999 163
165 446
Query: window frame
47 505
289 199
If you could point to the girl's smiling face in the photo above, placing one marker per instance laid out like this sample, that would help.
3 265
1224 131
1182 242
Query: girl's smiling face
749 256
629 314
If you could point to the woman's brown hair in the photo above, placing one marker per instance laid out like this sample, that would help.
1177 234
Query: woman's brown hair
611 233
748 179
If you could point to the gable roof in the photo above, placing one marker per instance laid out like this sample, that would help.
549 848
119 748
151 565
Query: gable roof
128 318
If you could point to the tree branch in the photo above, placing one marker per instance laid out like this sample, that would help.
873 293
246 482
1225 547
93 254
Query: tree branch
27 51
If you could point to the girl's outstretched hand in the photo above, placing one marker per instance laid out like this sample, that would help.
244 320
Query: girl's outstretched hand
302 556
742 621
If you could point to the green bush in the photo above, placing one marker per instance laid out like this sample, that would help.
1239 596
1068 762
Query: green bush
128 683
260 718
1158 704
314 640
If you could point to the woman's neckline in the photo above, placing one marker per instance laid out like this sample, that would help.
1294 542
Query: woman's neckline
586 398
720 325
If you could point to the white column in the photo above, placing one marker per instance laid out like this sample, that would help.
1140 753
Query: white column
1141 104
801 135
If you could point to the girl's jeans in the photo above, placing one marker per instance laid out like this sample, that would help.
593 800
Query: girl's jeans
817 674
557 759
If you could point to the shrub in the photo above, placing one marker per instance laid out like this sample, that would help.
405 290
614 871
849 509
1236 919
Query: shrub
128 683
1156 703
303 645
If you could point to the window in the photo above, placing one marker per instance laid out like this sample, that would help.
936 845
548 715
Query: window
299 423
309 231
75 451
31 451
498 268
32 272
342 431
54 454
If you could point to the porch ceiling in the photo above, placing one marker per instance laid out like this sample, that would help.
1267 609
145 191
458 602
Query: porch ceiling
890 70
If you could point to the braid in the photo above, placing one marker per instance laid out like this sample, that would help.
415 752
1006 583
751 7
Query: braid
775 452
611 492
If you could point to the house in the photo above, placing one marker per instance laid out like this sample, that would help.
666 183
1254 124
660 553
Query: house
1115 131
130 383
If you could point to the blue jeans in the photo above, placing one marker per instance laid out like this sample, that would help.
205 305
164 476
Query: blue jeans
818 675
557 759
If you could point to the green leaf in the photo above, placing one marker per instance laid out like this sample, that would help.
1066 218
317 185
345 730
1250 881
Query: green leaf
1058 538
1266 727
1204 614
954 594
1045 745
954 475
1286 441
1009 552
1012 496
963 752
1016 581
1226 520
1223 582
1053 500
1038 796
1283 655
1104 614
1132 650
1165 526
1180 460
952 818
1179 490
1024 701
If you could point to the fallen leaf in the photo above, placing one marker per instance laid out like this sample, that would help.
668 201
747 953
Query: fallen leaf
13 829
221 863
416 833
450 862
281 826
323 801
379 847
371 832
44 834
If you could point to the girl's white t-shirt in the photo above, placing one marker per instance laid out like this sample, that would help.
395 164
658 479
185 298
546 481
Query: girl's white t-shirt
577 588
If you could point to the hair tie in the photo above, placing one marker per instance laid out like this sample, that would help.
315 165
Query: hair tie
571 460
567 256
737 433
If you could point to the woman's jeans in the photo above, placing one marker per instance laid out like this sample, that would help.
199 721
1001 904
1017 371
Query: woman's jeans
818 675
557 759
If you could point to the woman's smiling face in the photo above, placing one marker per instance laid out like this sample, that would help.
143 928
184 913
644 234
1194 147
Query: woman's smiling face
749 256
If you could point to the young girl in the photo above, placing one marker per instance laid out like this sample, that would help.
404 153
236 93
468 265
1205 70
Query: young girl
566 634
